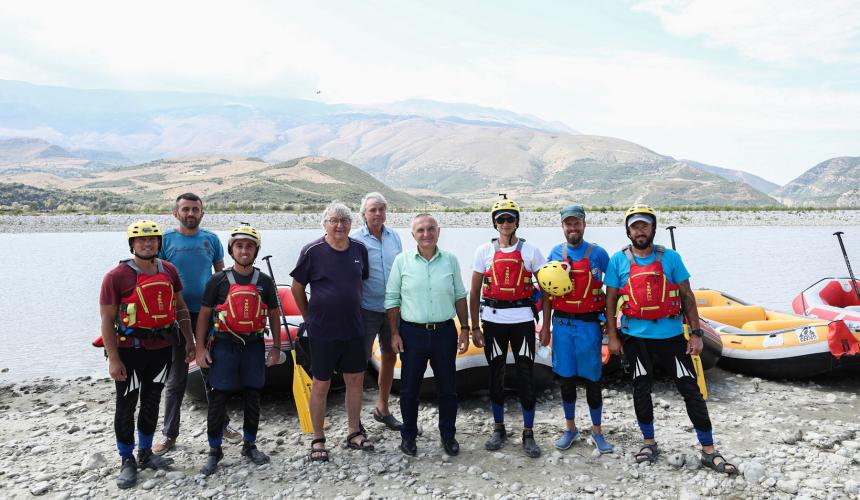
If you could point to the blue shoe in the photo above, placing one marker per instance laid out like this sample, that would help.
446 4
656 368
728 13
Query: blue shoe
601 444
566 440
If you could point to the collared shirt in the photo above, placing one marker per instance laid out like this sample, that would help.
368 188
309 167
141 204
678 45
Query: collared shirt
381 254
425 291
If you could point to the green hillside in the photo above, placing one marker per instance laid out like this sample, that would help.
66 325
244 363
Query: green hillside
21 197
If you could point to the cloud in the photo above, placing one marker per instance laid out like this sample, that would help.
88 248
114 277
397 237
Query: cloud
775 31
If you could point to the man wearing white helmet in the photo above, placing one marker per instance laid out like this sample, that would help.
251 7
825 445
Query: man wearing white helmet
576 317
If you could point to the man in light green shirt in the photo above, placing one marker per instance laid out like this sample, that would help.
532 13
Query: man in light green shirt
424 292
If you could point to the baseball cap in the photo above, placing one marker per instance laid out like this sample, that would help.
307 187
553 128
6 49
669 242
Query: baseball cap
572 211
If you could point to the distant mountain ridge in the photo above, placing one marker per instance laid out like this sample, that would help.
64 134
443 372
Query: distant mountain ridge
831 183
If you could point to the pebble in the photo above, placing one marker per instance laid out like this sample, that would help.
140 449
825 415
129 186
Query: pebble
40 488
149 484
787 486
677 460
175 475
754 472
95 461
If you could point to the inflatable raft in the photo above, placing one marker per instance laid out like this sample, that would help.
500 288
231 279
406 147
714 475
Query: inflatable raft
830 299
772 344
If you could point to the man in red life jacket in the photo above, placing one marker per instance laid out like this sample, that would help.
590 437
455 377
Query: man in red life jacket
655 283
502 291
236 306
140 304
576 315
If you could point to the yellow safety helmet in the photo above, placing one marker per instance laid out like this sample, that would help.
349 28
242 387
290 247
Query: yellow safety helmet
143 228
554 278
642 211
505 206
245 231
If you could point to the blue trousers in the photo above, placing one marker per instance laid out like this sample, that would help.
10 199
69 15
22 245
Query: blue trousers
439 347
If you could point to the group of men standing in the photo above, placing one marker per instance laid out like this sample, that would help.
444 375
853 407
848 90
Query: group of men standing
366 287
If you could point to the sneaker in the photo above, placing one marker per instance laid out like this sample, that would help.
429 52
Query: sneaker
497 439
127 474
146 459
529 445
164 445
600 442
566 440
250 450
232 435
215 456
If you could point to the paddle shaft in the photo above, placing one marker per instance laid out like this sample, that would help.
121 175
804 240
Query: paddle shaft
280 307
672 235
838 235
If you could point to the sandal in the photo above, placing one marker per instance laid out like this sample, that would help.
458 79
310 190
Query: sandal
709 460
363 444
389 420
648 453
318 454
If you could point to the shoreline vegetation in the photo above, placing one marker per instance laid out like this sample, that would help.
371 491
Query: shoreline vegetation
463 218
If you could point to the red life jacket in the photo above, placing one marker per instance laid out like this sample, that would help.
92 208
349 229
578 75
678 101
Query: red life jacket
151 305
587 295
648 294
507 278
243 311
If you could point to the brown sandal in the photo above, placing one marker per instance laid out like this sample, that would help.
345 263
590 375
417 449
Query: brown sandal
363 444
318 454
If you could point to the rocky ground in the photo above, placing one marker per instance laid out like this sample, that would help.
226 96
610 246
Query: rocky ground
788 439
118 222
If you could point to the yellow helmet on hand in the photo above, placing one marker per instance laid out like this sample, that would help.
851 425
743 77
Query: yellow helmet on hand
142 228
554 278
245 231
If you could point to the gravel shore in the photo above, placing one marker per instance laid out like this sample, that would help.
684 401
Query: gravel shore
68 223
788 438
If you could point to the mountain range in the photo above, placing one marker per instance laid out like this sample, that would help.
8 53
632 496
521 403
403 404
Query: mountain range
428 150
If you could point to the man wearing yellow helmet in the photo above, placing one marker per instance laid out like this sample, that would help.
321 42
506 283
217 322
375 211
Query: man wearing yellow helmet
576 333
654 283
140 304
195 252
230 342
501 296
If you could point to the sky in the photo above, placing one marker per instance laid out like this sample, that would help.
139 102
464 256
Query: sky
767 86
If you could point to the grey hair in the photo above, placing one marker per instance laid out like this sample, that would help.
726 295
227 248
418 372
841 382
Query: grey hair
336 209
370 198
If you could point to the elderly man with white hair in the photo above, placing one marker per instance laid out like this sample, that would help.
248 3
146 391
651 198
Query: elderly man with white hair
334 266
383 245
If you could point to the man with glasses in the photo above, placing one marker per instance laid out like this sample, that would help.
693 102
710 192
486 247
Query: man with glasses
502 274
334 267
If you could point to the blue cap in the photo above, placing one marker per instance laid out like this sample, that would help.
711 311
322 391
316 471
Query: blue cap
572 211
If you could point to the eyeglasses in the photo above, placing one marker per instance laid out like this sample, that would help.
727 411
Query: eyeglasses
335 222
506 219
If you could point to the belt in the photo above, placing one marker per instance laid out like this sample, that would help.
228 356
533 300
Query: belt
589 316
430 326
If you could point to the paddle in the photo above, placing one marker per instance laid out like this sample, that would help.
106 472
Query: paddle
838 235
697 360
301 379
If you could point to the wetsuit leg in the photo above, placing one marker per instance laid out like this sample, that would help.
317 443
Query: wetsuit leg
568 396
153 375
251 397
522 339
636 352
127 393
678 363
215 416
594 396
496 351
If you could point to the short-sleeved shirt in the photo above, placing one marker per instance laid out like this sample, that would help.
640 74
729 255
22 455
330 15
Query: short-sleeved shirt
675 271
599 258
532 261
335 279
425 290
120 282
193 257
380 255
218 287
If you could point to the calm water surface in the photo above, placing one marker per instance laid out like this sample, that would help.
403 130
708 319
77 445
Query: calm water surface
50 281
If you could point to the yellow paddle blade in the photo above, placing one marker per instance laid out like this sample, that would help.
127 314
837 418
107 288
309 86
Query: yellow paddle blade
302 395
697 365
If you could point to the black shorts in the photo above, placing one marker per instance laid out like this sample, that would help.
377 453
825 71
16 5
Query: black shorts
344 356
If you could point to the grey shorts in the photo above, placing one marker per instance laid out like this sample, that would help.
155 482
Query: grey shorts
376 323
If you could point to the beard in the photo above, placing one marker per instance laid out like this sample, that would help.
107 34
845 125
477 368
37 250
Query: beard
189 223
642 246
574 239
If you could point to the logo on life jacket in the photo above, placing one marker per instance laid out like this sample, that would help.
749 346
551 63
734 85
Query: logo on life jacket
587 293
151 305
648 294
243 311
507 278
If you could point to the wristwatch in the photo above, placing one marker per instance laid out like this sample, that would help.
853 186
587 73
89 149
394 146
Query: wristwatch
698 332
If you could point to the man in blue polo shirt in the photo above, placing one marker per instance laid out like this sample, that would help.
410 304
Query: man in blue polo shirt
383 245
195 252
655 286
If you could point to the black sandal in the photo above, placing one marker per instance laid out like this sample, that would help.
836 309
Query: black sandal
649 456
364 444
709 460
318 454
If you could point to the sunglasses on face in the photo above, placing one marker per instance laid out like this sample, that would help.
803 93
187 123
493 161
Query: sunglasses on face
506 219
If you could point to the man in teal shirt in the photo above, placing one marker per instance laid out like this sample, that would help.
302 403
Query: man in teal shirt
424 292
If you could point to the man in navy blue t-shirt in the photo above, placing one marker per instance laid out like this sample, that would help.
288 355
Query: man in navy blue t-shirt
334 267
